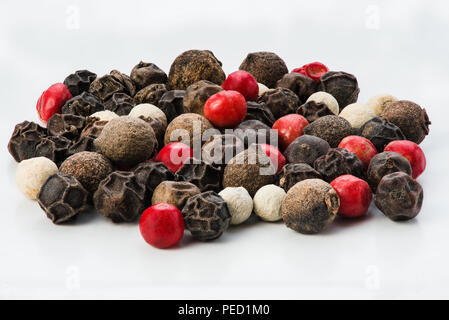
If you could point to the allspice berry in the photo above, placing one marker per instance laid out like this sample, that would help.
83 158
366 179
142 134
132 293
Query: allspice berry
89 168
343 86
410 118
174 192
189 127
280 101
310 206
197 94
145 74
385 163
192 66
267 67
306 149
299 84
333 129
127 141
250 169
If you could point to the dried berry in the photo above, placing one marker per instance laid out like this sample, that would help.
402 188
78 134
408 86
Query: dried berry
83 105
280 101
192 66
239 202
197 94
191 124
330 128
125 80
174 192
314 110
105 115
381 132
338 162
410 118
256 132
171 103
343 86
147 110
105 87
301 85
259 111
159 131
293 173
89 168
120 197
357 114
93 127
206 216
399 197
150 175
151 94
266 67
205 176
79 81
220 149
55 148
385 163
327 99
310 206
84 143
66 125
62 198
145 74
268 202
31 175
306 149
379 102
120 103
26 136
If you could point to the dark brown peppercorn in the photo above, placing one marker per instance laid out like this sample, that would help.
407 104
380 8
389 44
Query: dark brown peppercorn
259 111
151 94
174 192
220 149
83 105
266 67
79 81
399 197
192 66
314 110
145 74
66 125
339 162
125 80
197 94
120 103
206 177
206 216
254 131
55 148
159 131
343 86
410 118
93 127
84 143
293 173
171 103
26 136
306 149
62 198
105 87
385 163
381 132
280 101
299 84
150 175
120 197
89 168
333 129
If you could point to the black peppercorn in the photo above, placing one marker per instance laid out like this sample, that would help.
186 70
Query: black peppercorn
293 173
381 132
26 136
55 148
126 81
254 131
339 162
84 143
280 101
145 74
206 216
314 110
220 149
151 94
333 129
399 197
83 105
385 163
171 103
105 87
266 67
299 84
306 149
79 81
66 125
342 86
120 103
205 176
150 175
197 94
259 111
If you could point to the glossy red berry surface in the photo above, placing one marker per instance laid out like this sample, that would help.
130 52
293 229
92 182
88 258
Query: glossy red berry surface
355 196
173 155
289 128
362 147
412 152
277 158
162 225
52 100
244 83
225 109
314 70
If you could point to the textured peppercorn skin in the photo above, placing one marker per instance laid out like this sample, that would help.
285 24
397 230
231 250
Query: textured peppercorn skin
171 103
314 110
151 174
174 192
281 101
338 162
303 87
220 149
79 81
105 87
197 94
206 216
333 129
83 105
293 173
66 125
145 74
151 94
205 176
341 85
381 132
267 67
260 112
385 163
26 136
120 103
399 197
55 148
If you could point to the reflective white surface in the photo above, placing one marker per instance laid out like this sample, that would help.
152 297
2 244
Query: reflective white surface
397 47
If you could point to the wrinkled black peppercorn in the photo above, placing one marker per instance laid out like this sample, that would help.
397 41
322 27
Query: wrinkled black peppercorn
220 149
259 111
120 103
254 131
150 175
381 132
84 143
171 103
105 87
79 81
66 125
55 148
385 163
342 86
293 173
338 162
280 101
125 80
299 84
206 177
151 94
314 110
26 136
306 149
83 105
145 74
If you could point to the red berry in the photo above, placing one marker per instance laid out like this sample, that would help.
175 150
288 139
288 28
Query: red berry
173 155
314 70
225 109
275 155
412 152
244 83
362 147
52 100
289 128
162 225
355 196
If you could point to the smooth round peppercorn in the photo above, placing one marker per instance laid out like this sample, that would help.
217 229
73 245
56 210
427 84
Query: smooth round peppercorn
380 102
52 100
268 202
239 202
327 99
225 109
289 128
173 155
412 152
31 174
355 196
362 147
357 114
306 149
243 82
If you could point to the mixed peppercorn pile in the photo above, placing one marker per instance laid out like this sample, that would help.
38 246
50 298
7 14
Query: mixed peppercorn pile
199 150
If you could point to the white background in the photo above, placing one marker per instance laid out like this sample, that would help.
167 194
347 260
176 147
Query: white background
397 47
